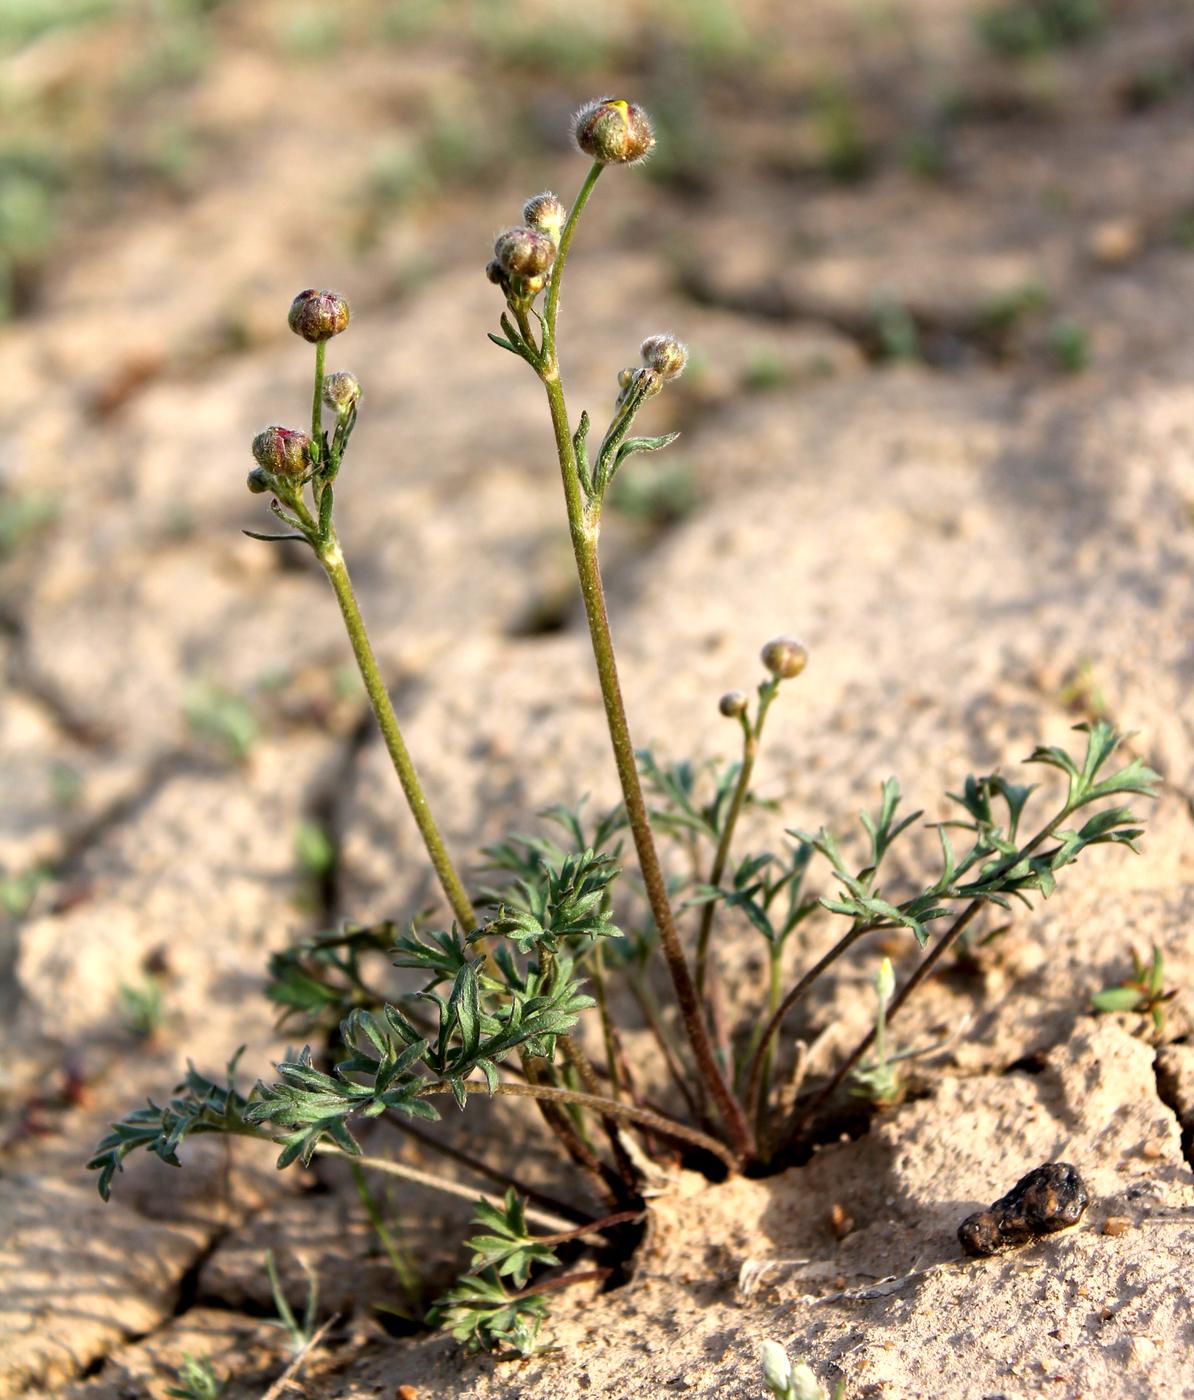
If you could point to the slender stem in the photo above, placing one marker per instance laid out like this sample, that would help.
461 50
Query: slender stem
567 1132
482 1168
436 1183
332 559
926 966
751 734
657 1122
584 543
400 1262
648 1004
317 402
552 302
597 966
581 1232
775 953
754 1089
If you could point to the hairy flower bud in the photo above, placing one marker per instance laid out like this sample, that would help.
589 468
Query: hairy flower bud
733 704
282 451
665 354
777 1369
524 252
784 657
258 481
493 270
341 390
613 131
318 316
546 213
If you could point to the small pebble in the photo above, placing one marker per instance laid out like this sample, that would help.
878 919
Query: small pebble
1048 1199
1116 1225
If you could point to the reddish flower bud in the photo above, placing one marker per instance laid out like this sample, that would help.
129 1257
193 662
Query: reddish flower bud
282 451
546 213
318 316
524 252
784 657
613 131
341 390
665 354
733 704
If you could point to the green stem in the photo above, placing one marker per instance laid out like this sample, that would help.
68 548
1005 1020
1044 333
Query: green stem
332 559
597 967
754 1084
552 302
583 525
400 1261
646 1117
751 734
943 945
317 402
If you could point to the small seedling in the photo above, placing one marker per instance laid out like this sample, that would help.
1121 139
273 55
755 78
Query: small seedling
1069 345
1144 991
141 1008
876 1078
223 719
196 1379
298 1334
786 1381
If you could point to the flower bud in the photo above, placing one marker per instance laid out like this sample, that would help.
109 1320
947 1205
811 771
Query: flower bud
665 354
493 270
524 252
613 131
546 213
626 378
777 1369
282 451
259 481
733 704
341 390
784 657
318 316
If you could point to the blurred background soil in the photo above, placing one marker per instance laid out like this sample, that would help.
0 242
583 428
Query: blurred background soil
935 263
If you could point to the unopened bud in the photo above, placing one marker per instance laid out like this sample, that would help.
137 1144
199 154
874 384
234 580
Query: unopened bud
282 451
613 131
524 252
546 213
733 704
777 1369
259 481
341 390
493 270
318 316
784 657
626 378
665 354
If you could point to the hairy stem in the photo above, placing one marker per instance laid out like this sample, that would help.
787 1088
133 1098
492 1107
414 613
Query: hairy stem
440 1184
551 305
482 1168
583 527
332 559
647 1118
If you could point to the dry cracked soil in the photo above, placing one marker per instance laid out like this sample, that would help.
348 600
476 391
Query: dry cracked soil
939 422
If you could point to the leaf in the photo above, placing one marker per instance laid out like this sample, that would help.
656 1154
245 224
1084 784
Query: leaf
1118 999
